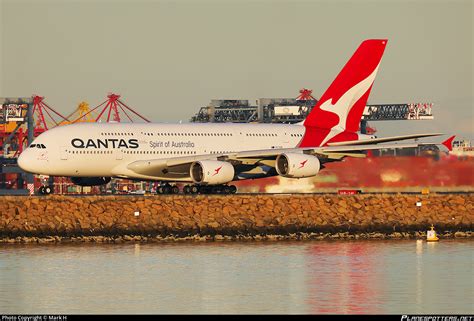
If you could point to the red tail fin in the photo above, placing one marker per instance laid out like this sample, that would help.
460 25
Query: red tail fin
340 108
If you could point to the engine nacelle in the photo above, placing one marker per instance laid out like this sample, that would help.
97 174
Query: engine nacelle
297 165
211 172
90 181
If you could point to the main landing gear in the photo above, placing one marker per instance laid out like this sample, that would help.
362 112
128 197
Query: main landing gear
209 189
168 189
197 189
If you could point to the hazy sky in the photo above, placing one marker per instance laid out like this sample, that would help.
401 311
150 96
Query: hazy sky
168 58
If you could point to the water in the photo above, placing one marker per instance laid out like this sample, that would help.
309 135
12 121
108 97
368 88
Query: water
400 277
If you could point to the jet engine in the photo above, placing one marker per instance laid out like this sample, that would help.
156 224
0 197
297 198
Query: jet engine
90 181
297 165
211 172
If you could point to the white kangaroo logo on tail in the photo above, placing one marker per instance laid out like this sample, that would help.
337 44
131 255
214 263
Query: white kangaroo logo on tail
342 107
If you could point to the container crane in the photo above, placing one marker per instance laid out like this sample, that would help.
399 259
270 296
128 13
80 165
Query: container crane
113 106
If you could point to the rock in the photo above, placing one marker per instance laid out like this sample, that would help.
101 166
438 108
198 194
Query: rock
342 203
458 200
213 224
459 234
377 235
102 215
357 205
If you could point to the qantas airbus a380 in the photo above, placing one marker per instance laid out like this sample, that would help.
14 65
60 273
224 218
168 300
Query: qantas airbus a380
209 156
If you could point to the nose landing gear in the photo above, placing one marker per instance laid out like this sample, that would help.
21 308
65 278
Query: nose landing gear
45 190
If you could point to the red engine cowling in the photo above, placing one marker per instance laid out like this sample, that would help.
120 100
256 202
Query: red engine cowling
297 165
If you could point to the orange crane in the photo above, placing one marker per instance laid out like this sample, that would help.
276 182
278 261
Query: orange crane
81 114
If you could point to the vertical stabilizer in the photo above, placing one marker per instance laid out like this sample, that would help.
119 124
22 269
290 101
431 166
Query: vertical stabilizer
337 114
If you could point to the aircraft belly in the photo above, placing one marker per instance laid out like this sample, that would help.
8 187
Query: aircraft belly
83 168
251 172
173 173
171 178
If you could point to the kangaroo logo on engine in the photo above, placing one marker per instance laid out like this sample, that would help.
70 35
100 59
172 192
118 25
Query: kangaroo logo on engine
303 163
217 170
105 143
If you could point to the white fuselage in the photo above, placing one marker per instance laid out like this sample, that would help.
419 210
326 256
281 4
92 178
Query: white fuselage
98 149
105 149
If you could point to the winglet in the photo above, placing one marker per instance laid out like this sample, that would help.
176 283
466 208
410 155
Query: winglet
449 143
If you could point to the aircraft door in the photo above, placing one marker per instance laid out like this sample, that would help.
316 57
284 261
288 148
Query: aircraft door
63 152
118 154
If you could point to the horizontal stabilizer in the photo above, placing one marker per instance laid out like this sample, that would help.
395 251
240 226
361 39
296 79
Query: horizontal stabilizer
449 143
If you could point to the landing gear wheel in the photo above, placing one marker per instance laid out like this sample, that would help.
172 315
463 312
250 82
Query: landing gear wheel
194 189
160 190
226 189
187 189
167 189
175 189
47 190
233 189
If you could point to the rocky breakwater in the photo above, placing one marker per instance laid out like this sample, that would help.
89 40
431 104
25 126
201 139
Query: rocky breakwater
230 217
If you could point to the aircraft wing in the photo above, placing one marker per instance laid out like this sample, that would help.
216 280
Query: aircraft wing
331 152
384 139
177 168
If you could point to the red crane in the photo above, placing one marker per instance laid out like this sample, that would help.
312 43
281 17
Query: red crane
305 94
40 109
45 118
113 106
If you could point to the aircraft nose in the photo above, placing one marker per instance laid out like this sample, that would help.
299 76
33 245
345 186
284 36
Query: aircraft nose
25 161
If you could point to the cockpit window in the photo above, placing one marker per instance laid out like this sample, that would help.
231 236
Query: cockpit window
40 146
